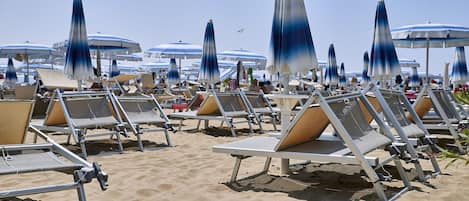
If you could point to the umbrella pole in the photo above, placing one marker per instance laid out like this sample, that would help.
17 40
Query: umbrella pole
80 82
427 60
180 73
98 62
26 78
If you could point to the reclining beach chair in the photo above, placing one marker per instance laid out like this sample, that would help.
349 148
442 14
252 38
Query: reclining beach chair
19 158
143 110
302 140
74 113
224 107
448 107
259 105
447 120
394 105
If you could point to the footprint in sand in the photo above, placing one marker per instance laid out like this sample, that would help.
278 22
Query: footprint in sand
165 186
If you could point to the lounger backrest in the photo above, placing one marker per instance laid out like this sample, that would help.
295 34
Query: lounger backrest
90 112
14 120
395 103
141 110
147 81
195 102
308 125
27 92
55 79
421 107
231 102
257 100
445 103
350 115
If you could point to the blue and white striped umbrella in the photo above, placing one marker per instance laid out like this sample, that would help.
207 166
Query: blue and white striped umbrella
342 77
384 64
243 55
27 51
430 36
408 63
366 66
77 59
414 78
178 50
291 44
459 74
209 71
10 76
115 71
331 77
173 74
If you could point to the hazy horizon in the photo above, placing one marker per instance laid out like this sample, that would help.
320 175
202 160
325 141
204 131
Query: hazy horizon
347 24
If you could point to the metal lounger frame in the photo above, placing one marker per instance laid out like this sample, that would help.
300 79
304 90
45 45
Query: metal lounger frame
273 115
446 121
357 158
79 134
223 117
391 118
136 129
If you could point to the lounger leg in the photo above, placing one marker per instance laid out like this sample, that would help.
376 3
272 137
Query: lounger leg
379 190
221 124
80 188
284 166
433 160
180 125
235 169
205 124
267 164
81 141
402 172
250 126
139 140
68 138
274 122
168 139
119 143
198 124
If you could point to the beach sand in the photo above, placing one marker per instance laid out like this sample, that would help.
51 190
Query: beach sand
191 171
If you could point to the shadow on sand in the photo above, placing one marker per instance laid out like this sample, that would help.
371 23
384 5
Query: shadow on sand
317 182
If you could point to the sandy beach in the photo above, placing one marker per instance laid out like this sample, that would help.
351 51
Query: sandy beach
191 171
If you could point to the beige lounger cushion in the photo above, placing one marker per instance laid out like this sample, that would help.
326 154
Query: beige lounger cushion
422 107
14 121
309 127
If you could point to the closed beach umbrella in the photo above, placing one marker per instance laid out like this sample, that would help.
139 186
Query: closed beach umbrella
77 59
10 76
366 65
115 71
384 64
459 74
414 78
331 76
173 74
291 44
342 77
430 36
209 72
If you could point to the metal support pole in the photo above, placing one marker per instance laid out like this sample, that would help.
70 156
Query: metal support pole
427 60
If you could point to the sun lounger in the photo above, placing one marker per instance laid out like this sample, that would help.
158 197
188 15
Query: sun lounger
224 107
259 105
394 105
355 139
19 158
74 113
143 110
447 120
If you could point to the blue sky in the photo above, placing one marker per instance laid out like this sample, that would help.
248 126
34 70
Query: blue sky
346 23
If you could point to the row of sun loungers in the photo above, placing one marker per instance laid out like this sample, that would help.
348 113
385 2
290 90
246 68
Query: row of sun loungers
362 121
